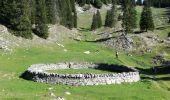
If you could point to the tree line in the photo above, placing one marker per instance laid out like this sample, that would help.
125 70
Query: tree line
129 17
25 17
155 3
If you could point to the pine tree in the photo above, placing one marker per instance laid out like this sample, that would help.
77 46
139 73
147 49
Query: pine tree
99 19
69 15
96 3
94 22
129 16
32 7
139 2
15 15
108 19
23 26
146 21
50 9
41 28
74 13
111 17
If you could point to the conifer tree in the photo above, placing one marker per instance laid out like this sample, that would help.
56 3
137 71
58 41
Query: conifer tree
96 3
94 22
99 19
32 7
23 26
69 16
41 28
111 18
50 9
74 13
139 2
129 16
15 15
146 21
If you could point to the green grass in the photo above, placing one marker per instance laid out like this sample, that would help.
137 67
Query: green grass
13 65
13 87
79 71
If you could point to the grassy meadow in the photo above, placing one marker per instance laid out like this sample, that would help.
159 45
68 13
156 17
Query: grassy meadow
12 87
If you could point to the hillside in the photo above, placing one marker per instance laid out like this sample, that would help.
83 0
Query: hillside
81 44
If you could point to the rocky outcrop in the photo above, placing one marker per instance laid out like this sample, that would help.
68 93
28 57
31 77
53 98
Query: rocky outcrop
4 44
38 73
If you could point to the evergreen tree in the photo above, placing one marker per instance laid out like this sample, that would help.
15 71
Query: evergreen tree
74 13
111 16
15 15
96 3
69 15
129 16
23 25
108 18
94 22
146 21
50 9
99 19
41 28
139 2
32 7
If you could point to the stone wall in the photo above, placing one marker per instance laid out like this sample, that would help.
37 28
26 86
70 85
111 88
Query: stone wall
38 73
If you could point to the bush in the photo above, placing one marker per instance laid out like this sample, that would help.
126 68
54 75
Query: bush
24 34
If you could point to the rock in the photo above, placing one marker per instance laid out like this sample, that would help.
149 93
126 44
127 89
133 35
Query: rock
67 93
51 94
87 52
50 88
65 50
38 73
168 39
59 98
3 90
123 42
60 45
149 50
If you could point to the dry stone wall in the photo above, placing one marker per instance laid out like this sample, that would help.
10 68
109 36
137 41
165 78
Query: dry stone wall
38 73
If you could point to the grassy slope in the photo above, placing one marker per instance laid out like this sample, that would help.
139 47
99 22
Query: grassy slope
12 65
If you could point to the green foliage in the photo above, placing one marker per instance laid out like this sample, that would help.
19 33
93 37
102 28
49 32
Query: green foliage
15 14
20 16
51 11
111 17
96 3
97 21
67 13
159 3
41 28
146 21
32 7
139 2
94 22
72 2
129 16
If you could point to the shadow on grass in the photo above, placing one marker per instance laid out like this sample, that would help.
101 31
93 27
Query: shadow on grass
156 72
101 40
84 29
103 67
114 68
